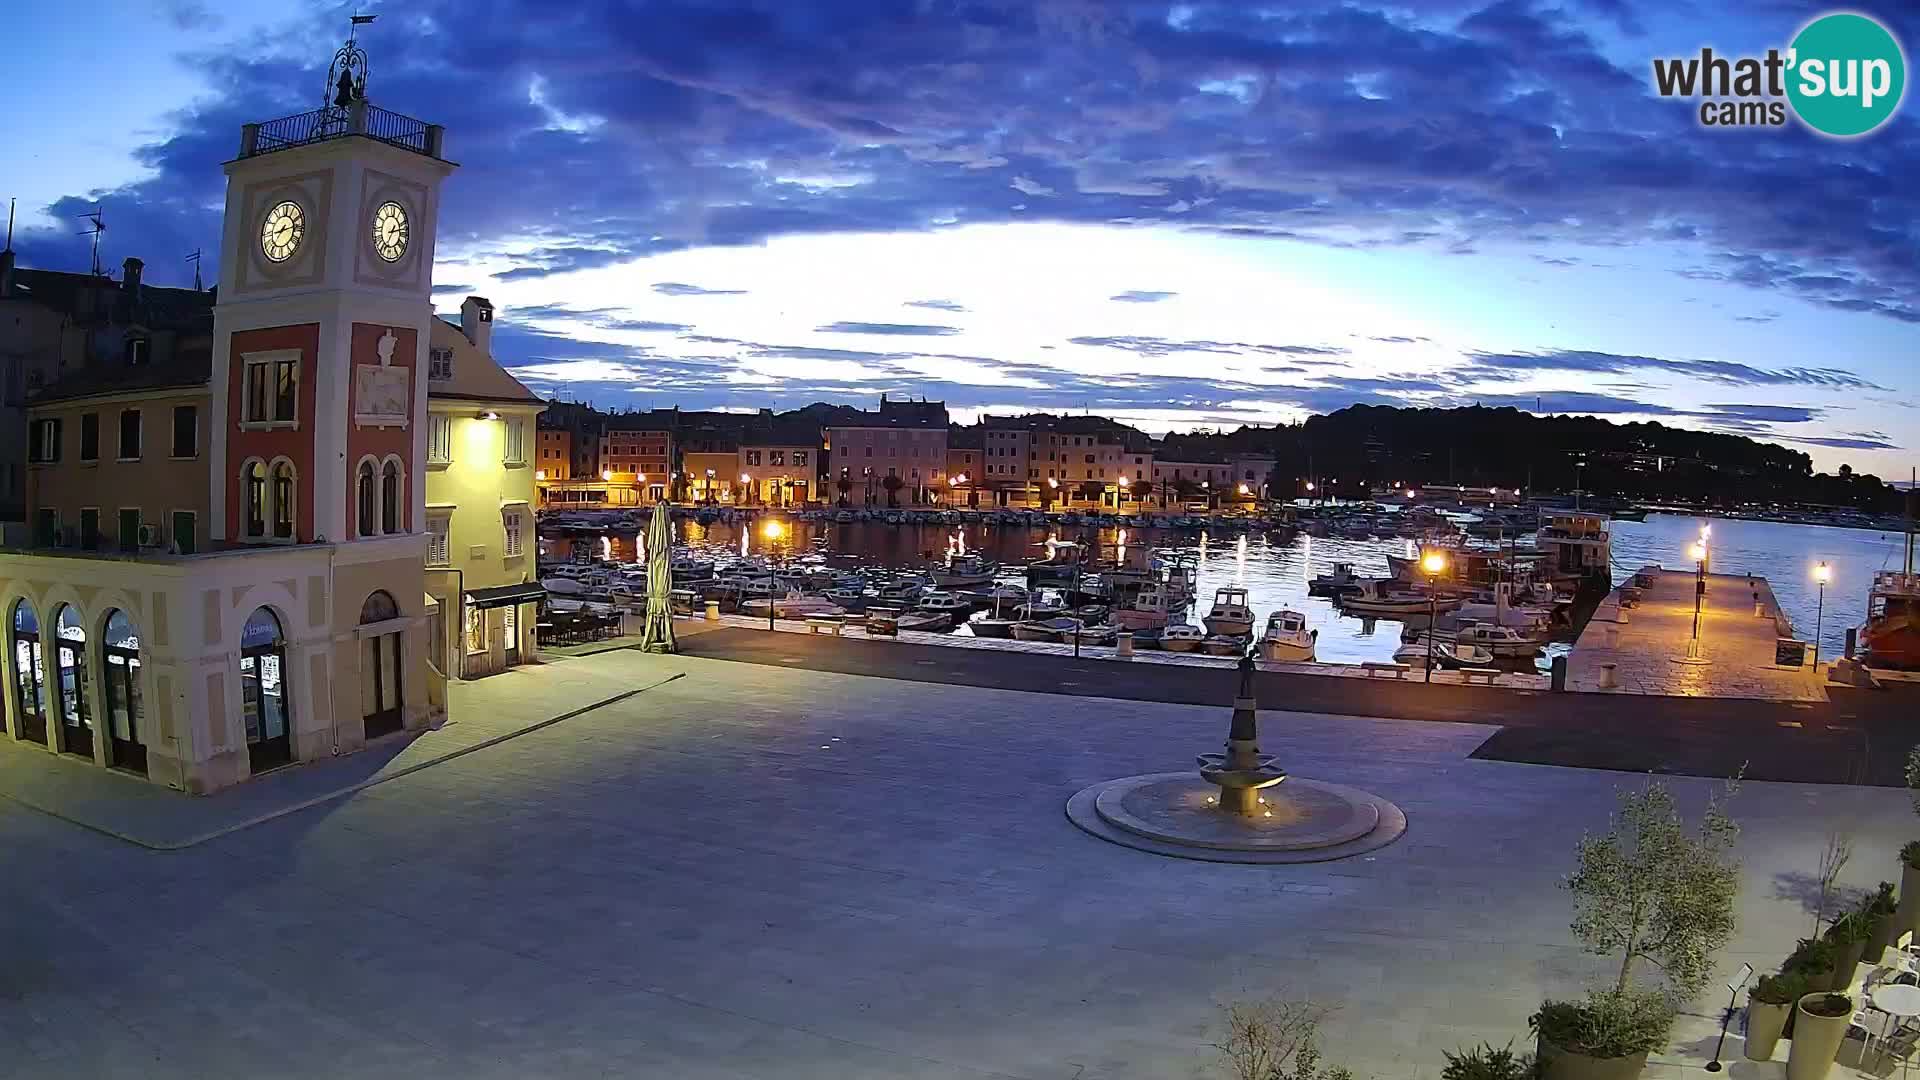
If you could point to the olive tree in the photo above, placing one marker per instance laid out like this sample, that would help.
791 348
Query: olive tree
1653 889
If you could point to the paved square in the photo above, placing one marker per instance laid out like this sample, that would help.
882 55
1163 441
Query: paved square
774 873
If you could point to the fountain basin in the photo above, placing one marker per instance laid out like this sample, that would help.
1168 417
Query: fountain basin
1302 820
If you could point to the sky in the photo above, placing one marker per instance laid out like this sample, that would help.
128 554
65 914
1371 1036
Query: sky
1180 215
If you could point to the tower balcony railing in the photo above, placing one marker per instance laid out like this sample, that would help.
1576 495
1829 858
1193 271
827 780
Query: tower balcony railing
338 122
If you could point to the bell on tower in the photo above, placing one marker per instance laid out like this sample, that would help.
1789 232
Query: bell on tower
347 74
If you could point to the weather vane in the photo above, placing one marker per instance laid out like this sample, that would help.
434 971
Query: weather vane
347 75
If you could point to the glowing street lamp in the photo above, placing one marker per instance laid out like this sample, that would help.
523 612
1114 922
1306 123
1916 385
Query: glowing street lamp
1433 562
1822 574
1699 553
773 530
606 474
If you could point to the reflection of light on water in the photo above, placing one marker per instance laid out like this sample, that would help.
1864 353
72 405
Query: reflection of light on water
606 547
744 535
1240 561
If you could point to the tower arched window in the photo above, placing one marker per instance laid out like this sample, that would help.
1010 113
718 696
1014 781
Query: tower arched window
253 481
283 488
366 503
390 497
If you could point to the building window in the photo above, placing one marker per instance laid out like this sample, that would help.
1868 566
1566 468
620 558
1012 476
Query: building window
390 497
510 521
439 439
516 440
283 500
799 457
776 457
130 435
439 364
271 390
186 431
45 444
254 481
439 536
753 457
89 436
365 501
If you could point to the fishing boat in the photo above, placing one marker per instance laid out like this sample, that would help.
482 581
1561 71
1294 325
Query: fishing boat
1287 638
989 625
791 606
853 599
931 622
1090 635
1230 614
945 603
1181 637
1063 563
963 570
1891 635
1383 596
687 568
1499 640
1054 630
1225 644
1147 612
1341 579
1446 654
1182 579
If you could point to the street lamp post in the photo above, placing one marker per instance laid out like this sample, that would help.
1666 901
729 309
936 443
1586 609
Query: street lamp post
1433 562
1699 553
1822 574
772 531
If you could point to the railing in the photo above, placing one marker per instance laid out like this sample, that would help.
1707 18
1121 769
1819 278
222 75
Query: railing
334 122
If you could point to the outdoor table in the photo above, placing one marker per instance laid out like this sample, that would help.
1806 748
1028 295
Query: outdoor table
1900 1000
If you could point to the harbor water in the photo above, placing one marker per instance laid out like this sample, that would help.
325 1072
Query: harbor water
1275 569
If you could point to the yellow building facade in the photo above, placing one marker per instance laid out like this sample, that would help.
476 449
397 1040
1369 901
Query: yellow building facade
481 457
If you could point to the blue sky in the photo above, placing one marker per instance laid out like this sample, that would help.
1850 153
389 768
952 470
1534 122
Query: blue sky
1178 214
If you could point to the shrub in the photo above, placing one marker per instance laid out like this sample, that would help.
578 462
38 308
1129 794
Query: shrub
1881 901
1609 1024
1812 956
1851 928
1486 1063
1910 854
1275 1039
1779 989
1831 1005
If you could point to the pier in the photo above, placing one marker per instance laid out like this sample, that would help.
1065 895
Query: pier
1644 633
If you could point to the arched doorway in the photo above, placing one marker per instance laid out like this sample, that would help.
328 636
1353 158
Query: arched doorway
70 682
29 688
120 678
381 705
263 691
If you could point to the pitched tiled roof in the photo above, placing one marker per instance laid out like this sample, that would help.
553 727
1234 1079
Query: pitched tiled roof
476 376
192 369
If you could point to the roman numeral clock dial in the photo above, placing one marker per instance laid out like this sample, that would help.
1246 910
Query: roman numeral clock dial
390 231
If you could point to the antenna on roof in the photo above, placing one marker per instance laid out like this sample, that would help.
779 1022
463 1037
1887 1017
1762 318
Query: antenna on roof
195 260
97 219
9 246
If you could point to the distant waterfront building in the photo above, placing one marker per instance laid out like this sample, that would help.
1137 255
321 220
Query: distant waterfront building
553 455
1008 472
275 609
779 462
479 501
904 440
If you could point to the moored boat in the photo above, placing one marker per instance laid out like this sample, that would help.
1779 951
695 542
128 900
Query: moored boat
1181 637
1054 630
931 622
1382 596
1147 612
1287 638
1229 614
964 570
1224 644
1446 654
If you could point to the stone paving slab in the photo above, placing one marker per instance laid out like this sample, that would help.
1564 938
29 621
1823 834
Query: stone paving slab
1657 629
760 873
131 809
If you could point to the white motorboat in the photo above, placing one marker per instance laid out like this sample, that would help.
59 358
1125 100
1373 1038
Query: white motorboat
1498 640
1090 635
925 621
1445 654
1147 612
1181 637
687 568
1054 630
963 570
945 603
1230 615
791 606
1341 579
1181 580
1287 638
1382 596
989 625
1224 644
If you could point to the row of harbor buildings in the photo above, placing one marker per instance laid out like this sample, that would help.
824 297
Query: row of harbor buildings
904 453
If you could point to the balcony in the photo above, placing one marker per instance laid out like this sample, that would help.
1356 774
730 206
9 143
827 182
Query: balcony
339 122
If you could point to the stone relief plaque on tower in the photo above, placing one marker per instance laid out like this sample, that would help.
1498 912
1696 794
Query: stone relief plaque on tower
382 392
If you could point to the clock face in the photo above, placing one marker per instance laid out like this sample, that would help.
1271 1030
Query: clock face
390 231
281 232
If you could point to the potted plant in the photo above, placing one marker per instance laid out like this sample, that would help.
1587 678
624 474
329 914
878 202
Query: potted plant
1812 962
1820 1023
1880 907
1909 888
1605 1037
1486 1063
1848 936
1652 892
1768 1008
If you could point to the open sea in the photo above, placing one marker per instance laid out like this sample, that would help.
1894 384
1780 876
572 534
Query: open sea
1275 574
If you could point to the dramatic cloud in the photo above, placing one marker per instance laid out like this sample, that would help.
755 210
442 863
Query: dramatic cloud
675 288
1142 296
1725 372
885 328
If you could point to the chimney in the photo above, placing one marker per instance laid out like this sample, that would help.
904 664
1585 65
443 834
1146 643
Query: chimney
130 278
476 321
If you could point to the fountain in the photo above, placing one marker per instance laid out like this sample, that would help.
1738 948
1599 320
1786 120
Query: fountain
1241 807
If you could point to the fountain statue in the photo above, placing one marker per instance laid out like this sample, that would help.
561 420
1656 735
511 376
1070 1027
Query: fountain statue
1243 771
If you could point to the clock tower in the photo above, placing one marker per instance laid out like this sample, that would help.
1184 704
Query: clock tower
319 388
